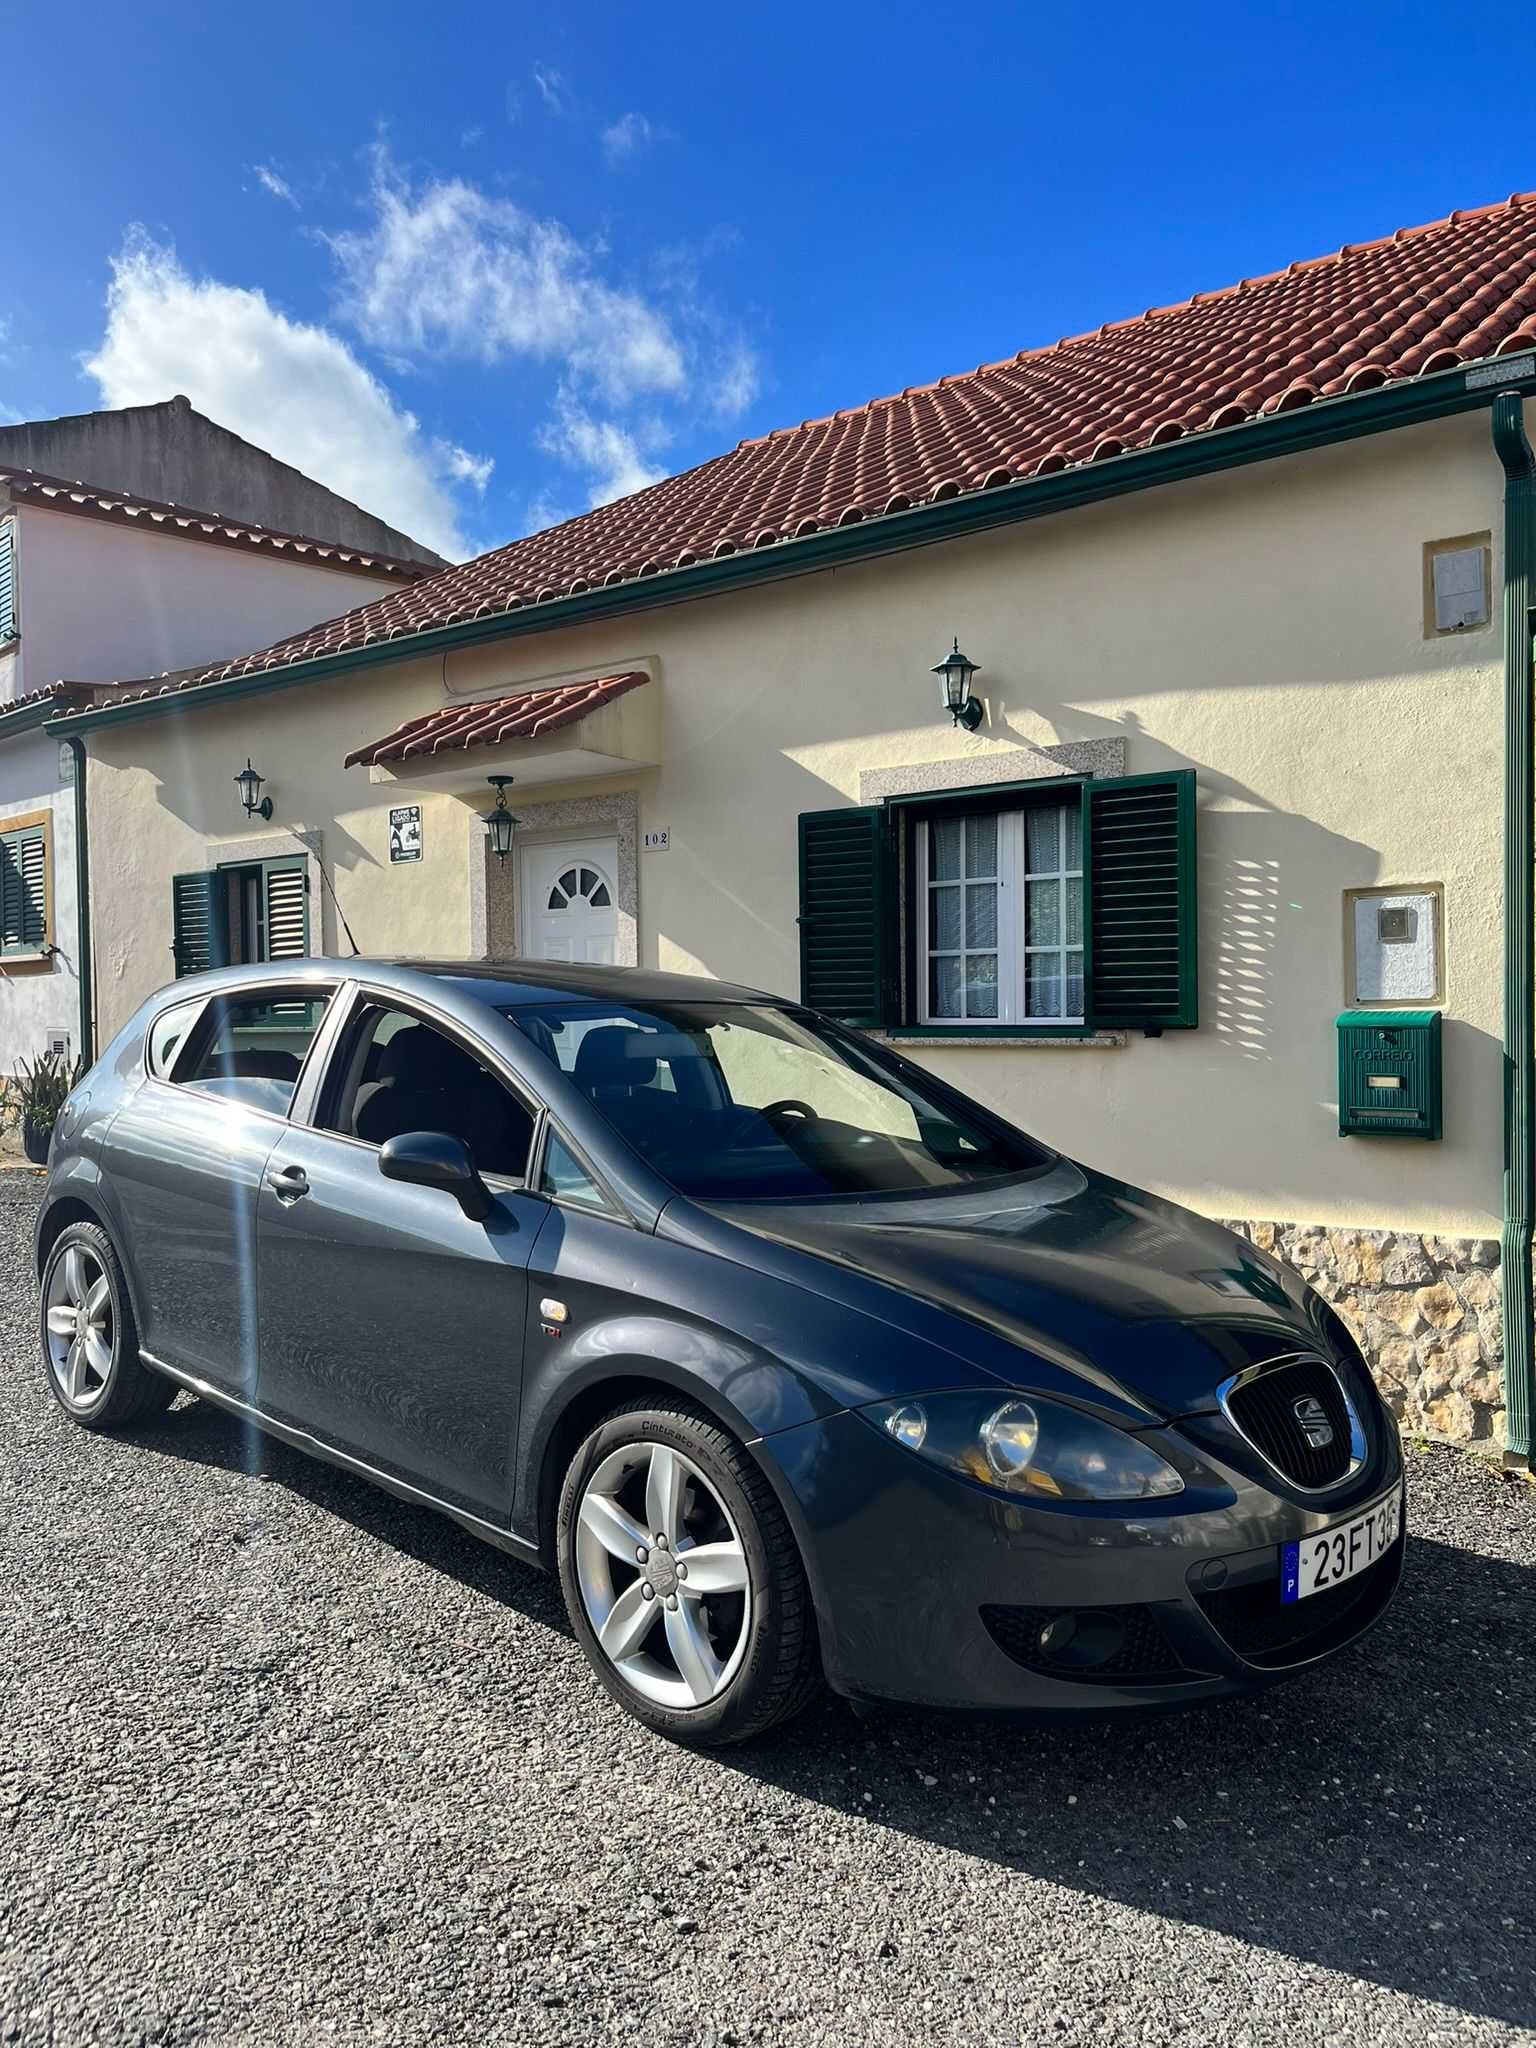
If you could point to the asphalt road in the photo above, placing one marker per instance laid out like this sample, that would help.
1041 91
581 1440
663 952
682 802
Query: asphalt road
285 1761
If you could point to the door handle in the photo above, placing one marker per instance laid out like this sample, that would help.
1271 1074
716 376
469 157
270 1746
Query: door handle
288 1183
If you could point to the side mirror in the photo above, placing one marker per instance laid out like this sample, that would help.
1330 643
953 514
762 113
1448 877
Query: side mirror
433 1159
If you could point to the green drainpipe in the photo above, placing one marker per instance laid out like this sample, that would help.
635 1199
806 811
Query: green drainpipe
85 965
1514 451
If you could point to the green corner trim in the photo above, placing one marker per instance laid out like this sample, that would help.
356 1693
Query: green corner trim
1514 452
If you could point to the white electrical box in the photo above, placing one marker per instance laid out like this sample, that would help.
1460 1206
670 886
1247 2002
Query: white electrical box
57 1038
1395 946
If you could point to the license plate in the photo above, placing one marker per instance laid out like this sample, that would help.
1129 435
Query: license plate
1333 1555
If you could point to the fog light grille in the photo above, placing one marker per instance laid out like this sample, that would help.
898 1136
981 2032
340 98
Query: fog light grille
1105 1645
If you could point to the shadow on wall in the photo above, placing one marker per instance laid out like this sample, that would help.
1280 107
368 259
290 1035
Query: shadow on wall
1270 884
1311 1821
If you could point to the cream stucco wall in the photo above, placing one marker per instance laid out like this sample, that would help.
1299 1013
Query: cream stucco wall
97 603
1263 627
102 603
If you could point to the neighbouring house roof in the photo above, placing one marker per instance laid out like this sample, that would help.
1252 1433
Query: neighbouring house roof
1385 313
35 707
458 727
182 522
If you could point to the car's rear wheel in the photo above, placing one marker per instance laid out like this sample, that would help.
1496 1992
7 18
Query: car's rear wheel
90 1341
682 1578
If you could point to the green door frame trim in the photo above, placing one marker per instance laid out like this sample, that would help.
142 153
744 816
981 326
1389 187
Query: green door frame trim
1320 424
1514 452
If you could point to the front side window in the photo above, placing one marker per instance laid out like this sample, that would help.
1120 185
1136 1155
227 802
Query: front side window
251 1049
398 1073
730 1100
565 1178
1002 916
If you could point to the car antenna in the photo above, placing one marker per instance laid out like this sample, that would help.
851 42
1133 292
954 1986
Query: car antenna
335 900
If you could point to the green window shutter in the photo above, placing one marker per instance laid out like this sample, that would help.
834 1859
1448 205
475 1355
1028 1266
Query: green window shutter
285 908
848 913
23 890
1142 956
7 583
200 921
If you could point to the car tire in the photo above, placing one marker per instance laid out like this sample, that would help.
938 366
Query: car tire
704 1668
93 1367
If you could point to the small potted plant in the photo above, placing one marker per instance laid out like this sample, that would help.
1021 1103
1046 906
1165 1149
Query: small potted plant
37 1093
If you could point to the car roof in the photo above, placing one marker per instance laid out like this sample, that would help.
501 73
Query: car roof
500 984
542 981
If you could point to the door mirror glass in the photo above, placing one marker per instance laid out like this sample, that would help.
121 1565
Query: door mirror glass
434 1159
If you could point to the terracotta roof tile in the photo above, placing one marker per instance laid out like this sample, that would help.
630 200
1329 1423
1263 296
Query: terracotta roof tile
1427 298
182 522
455 728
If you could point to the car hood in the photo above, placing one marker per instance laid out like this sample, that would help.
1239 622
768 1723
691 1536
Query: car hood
1140 1300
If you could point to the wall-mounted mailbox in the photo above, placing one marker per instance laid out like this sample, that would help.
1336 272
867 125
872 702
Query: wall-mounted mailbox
1389 1074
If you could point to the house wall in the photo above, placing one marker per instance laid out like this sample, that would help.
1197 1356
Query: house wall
96 603
1263 627
35 997
99 603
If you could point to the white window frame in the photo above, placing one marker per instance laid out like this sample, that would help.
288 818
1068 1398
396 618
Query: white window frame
1012 950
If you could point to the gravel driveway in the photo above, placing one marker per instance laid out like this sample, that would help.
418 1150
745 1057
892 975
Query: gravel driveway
285 1761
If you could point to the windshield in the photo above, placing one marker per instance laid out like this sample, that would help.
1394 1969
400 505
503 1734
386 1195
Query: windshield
731 1101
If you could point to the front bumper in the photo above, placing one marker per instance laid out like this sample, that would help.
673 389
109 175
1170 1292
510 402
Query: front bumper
931 1591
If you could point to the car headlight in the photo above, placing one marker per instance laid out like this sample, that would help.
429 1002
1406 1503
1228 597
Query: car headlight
1032 1446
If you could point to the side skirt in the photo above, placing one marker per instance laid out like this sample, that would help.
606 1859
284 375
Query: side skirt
316 1447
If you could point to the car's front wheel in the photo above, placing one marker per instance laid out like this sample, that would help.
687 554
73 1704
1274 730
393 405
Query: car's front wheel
90 1342
682 1578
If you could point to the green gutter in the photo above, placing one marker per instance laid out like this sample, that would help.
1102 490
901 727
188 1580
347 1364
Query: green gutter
1514 451
26 717
84 965
1289 433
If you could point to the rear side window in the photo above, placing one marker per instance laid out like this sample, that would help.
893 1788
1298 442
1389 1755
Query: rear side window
168 1034
253 1048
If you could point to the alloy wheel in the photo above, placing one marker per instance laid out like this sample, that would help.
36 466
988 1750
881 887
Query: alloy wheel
663 1575
81 1327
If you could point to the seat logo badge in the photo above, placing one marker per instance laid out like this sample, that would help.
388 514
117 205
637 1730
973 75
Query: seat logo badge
1313 1417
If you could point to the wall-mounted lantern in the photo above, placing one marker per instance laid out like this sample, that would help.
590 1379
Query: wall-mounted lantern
500 823
954 673
248 782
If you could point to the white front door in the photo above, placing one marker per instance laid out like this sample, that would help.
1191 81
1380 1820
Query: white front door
569 901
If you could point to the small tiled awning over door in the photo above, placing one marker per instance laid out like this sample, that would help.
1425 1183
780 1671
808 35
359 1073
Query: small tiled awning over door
455 728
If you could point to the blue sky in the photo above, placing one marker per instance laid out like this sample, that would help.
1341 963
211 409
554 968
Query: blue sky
482 266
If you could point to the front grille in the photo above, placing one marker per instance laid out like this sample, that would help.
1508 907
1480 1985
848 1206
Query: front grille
1144 1656
1264 1409
1260 1627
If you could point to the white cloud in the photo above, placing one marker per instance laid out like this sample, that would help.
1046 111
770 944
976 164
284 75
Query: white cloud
273 182
552 88
448 269
291 388
465 468
612 455
735 381
628 136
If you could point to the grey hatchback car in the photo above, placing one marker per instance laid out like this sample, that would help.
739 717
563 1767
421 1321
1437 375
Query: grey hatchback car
794 1363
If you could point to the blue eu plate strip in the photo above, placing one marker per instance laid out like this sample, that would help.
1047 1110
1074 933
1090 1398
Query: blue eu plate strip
1290 1572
